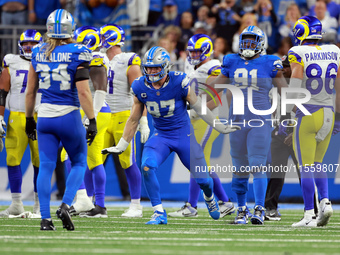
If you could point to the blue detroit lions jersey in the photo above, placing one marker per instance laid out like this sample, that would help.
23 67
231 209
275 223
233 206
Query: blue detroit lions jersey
167 105
56 75
257 74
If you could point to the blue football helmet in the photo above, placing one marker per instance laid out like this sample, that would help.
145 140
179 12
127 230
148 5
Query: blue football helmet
88 36
29 35
156 57
199 48
60 24
111 35
250 47
307 27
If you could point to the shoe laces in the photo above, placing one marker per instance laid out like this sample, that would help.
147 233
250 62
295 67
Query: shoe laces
156 215
241 213
258 210
212 205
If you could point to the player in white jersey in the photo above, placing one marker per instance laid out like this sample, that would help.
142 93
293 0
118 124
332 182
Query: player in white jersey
13 81
315 68
202 70
124 68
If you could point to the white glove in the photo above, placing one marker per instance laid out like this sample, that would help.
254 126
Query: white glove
121 146
225 129
2 126
1 145
144 129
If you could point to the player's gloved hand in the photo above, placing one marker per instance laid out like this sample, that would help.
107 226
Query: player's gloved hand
144 129
225 129
31 128
336 128
121 146
2 126
91 131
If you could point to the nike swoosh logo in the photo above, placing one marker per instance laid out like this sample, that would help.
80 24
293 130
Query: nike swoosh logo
308 222
189 134
121 122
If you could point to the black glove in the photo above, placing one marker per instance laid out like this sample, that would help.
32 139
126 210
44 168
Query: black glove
31 128
91 131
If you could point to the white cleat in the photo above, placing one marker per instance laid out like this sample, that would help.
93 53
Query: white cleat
16 208
226 208
80 206
325 212
186 211
134 211
307 221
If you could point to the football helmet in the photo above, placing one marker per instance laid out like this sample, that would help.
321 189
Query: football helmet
111 35
30 35
199 48
156 57
307 27
250 47
60 24
88 36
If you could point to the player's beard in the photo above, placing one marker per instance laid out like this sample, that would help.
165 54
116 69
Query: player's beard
170 15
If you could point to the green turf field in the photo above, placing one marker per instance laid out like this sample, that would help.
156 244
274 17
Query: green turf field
202 235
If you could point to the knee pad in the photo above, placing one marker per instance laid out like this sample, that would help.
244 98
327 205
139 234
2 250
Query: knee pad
149 165
239 183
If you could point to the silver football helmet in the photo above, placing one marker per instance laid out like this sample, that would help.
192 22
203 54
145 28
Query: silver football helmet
250 47
60 24
156 57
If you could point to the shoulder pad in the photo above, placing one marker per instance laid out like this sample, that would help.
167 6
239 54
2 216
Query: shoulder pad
134 60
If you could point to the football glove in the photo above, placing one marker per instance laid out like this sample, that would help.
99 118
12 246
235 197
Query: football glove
31 128
121 147
2 126
225 129
144 129
91 131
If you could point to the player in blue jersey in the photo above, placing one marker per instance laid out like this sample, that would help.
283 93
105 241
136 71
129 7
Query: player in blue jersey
250 146
165 95
60 69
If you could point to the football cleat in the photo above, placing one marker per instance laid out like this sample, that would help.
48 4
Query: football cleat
325 212
186 211
15 208
307 221
158 218
226 208
81 205
273 215
258 216
47 225
242 215
63 214
134 211
213 208
96 212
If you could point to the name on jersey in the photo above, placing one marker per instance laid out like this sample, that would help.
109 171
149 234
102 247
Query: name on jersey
312 56
55 57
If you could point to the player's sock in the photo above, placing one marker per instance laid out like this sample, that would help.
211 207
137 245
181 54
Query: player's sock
321 181
239 185
207 185
99 180
194 192
152 185
218 188
73 182
89 182
15 178
307 186
158 208
133 176
260 187
35 176
16 197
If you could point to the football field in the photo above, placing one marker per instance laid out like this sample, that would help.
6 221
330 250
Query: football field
201 235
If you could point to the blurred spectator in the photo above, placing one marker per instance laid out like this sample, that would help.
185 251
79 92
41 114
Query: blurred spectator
221 48
280 7
200 28
248 6
183 6
196 4
285 45
229 17
187 22
248 19
155 11
332 8
211 25
166 44
38 10
174 33
329 24
170 14
202 14
266 22
292 15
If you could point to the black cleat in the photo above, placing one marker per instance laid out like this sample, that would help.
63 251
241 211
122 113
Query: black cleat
47 225
63 214
96 212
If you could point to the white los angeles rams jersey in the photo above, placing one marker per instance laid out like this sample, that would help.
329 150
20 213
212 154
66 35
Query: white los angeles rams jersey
18 69
320 65
119 96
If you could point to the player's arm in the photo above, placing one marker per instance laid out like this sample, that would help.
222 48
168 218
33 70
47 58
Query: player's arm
279 81
98 76
220 79
130 128
196 104
336 128
133 73
5 85
295 82
211 103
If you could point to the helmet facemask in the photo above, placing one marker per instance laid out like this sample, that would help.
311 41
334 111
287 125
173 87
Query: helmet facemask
250 45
